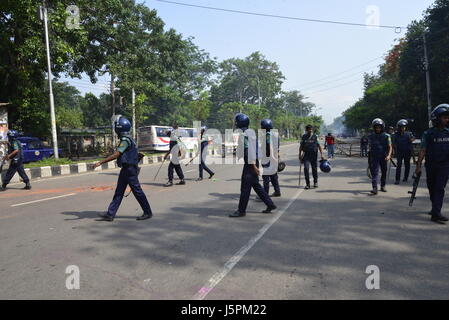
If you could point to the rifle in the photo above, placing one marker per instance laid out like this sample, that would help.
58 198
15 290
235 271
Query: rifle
300 167
416 178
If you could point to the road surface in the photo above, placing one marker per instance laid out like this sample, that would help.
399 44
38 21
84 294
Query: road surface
317 245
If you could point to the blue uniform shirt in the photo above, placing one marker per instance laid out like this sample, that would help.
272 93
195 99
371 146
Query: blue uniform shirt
403 142
436 143
309 144
16 145
379 143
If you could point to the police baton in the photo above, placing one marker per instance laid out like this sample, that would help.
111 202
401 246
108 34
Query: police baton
192 160
1 166
159 169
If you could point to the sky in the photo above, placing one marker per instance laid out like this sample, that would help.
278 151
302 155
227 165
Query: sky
325 62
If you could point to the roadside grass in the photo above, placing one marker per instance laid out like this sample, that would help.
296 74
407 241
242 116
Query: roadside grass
49 162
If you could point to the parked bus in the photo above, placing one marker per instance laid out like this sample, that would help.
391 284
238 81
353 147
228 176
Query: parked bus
155 138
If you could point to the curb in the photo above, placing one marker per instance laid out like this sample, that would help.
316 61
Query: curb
78 168
83 167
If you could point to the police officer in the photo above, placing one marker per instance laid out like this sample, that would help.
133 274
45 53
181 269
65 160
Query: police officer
267 124
175 151
15 154
402 143
308 154
379 154
250 174
364 146
435 149
203 155
128 160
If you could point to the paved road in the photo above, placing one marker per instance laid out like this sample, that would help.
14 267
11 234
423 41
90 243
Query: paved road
317 245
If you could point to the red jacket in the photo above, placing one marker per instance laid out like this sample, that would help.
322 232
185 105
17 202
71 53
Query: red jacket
330 140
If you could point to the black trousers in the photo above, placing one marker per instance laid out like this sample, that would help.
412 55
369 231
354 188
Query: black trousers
376 164
13 168
128 176
203 165
274 179
403 156
437 177
364 150
251 180
178 169
311 161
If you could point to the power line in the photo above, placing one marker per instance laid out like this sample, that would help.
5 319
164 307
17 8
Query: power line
301 88
335 80
398 29
327 89
338 73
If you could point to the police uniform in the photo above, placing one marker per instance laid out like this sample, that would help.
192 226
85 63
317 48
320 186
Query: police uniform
274 179
128 162
16 164
402 143
249 180
172 166
364 146
203 166
310 144
379 143
436 143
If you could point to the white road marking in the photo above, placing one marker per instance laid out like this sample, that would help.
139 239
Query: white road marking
40 200
230 264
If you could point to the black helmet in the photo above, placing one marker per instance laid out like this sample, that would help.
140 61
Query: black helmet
402 123
442 109
266 124
378 122
241 121
12 134
281 166
122 126
325 166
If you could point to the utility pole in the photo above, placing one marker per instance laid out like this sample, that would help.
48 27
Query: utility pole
44 16
133 98
113 109
426 67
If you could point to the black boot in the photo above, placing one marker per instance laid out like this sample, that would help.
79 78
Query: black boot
181 183
210 176
276 195
315 185
269 209
27 186
105 217
237 214
3 187
145 216
373 192
169 183
383 189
